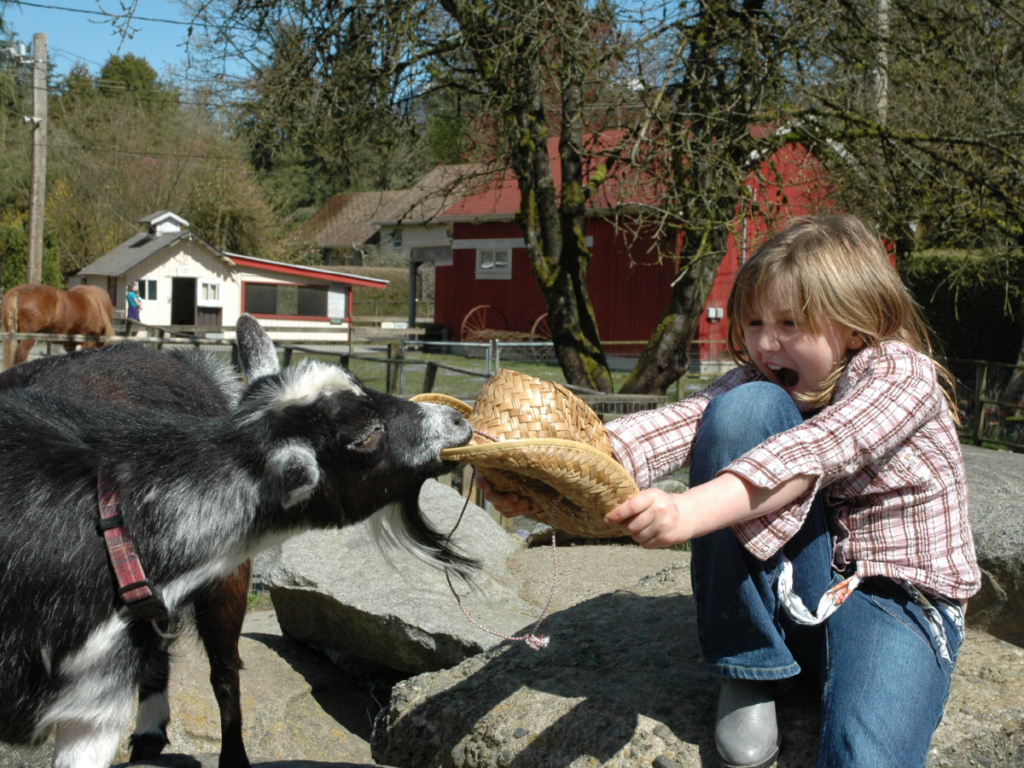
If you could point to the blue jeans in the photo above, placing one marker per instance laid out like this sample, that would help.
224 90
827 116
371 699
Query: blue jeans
883 683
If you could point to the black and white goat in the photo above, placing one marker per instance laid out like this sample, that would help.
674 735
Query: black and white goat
303 448
190 382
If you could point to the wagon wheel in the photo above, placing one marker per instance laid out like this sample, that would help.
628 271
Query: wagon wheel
481 319
540 331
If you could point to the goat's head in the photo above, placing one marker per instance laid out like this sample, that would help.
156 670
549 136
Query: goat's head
343 451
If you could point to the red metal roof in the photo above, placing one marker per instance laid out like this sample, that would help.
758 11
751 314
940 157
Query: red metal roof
297 270
499 199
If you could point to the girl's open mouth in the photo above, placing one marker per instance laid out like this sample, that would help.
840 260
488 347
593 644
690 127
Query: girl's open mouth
786 377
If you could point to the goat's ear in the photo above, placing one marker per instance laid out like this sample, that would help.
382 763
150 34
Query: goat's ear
255 349
294 471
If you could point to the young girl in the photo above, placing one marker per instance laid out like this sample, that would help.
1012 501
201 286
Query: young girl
828 505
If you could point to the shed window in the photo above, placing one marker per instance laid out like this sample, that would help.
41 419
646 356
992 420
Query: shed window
286 300
494 264
147 289
209 293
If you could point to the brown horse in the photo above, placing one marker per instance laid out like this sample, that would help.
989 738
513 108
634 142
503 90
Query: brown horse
31 308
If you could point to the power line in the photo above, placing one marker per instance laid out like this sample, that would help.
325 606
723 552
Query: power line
187 156
131 17
80 148
64 53
224 79
113 85
72 56
116 85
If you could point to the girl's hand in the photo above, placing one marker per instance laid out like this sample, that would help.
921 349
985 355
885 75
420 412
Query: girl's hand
655 519
508 504
658 519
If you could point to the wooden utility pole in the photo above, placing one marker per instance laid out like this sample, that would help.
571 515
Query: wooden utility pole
34 271
882 69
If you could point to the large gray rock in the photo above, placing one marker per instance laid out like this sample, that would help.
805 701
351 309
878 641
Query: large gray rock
295 704
335 590
623 685
995 484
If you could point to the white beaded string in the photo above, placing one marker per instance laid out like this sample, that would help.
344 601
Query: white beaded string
532 639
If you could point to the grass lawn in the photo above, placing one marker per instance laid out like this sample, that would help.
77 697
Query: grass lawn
259 601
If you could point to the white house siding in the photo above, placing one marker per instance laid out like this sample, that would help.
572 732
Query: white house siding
412 236
423 233
185 259
118 300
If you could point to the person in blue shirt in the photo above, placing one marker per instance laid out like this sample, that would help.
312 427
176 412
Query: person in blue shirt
134 302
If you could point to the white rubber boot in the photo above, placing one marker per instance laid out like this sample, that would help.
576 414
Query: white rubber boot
746 732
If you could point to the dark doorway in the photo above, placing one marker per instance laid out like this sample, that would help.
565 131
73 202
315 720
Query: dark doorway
183 301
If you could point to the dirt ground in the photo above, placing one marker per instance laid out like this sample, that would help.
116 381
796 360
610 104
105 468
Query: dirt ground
585 570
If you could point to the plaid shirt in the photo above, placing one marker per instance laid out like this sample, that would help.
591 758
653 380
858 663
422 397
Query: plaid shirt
885 451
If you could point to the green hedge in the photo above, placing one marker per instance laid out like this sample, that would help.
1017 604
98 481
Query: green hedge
973 301
14 254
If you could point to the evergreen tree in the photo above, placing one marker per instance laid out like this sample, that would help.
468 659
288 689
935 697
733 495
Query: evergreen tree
123 145
15 136
14 253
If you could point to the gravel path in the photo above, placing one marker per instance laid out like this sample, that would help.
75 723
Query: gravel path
586 570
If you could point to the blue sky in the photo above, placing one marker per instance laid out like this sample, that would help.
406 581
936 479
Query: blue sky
72 34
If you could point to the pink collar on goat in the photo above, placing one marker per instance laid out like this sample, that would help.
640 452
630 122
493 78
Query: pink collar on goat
140 597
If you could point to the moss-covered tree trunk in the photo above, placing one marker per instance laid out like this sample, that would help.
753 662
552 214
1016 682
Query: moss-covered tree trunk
666 356
710 161
698 152
512 55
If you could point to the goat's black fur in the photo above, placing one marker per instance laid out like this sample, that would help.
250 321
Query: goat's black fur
201 492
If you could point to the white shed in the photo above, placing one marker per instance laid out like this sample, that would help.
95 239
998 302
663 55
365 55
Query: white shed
185 281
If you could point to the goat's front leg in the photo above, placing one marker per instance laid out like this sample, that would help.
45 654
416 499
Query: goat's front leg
150 735
220 612
85 745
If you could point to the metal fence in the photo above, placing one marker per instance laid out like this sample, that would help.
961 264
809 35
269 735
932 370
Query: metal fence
706 356
410 366
990 397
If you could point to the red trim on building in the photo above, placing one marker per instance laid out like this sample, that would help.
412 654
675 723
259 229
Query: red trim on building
292 317
307 272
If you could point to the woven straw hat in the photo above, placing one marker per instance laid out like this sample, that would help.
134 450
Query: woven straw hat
548 444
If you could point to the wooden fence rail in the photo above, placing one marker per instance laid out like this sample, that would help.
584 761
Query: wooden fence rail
59 338
993 403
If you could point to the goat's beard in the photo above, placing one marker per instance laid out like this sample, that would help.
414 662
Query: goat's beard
401 525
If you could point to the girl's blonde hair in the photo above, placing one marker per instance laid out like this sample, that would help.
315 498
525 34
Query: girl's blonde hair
829 267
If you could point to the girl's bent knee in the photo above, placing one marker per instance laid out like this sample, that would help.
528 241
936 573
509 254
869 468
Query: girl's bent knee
752 411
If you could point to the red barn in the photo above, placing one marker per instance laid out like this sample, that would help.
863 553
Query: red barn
629 288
